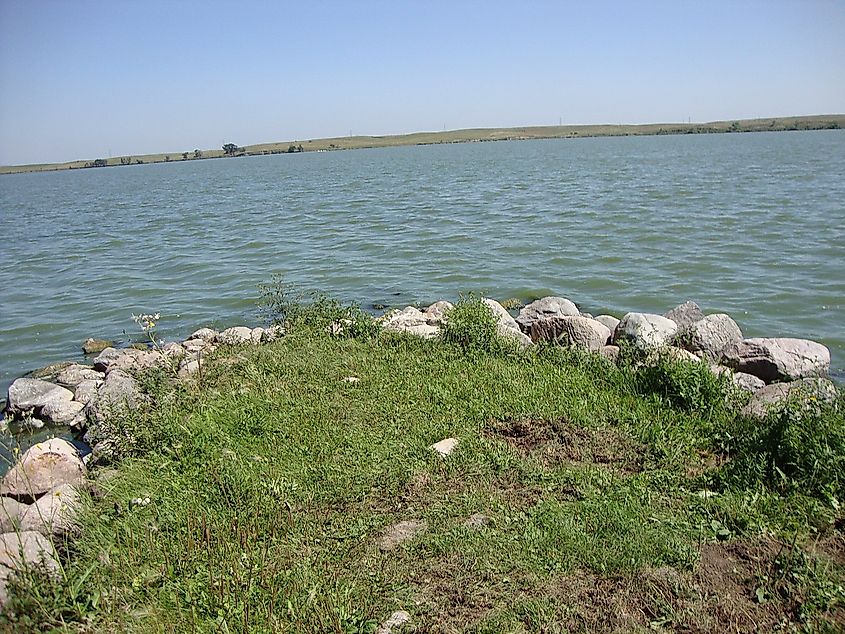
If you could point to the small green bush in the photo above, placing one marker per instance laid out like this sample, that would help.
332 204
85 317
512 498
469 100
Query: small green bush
283 304
793 449
472 327
692 386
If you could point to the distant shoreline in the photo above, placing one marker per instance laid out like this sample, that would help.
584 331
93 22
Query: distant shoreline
475 135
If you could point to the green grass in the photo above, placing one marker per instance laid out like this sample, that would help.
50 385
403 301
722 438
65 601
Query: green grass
272 481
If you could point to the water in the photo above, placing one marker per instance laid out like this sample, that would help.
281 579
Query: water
748 224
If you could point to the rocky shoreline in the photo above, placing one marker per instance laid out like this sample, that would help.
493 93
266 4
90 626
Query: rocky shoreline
42 493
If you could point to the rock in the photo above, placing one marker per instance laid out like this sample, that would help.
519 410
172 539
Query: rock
608 320
611 353
75 374
678 355
747 382
256 335
63 412
400 533
708 337
42 468
685 314
807 393
543 309
94 346
645 330
206 334
192 346
86 391
54 513
437 311
126 359
445 446
119 395
31 395
410 320
23 550
188 366
506 325
49 372
173 350
234 336
476 521
10 514
778 359
577 332
272 333
396 620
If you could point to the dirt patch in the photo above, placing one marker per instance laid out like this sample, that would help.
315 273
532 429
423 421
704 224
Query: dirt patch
557 441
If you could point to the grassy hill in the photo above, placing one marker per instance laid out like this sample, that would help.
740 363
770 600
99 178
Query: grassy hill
456 136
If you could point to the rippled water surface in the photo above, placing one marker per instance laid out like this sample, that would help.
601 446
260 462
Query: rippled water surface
749 224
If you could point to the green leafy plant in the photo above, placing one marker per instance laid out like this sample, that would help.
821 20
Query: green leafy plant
472 327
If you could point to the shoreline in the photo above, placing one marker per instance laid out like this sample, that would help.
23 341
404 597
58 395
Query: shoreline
473 135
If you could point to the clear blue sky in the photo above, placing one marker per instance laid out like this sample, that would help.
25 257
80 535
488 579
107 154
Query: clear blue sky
87 79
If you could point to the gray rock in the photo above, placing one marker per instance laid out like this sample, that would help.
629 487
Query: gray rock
506 325
235 335
75 374
93 346
189 365
747 382
173 350
778 359
112 359
394 621
400 533
31 395
86 391
206 334
645 330
708 337
543 309
118 396
54 513
575 331
272 333
611 353
608 320
192 346
10 514
410 320
685 314
806 393
256 335
63 412
42 468
437 311
20 551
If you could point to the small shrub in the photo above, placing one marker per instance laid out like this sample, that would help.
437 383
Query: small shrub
472 327
794 448
282 304
689 385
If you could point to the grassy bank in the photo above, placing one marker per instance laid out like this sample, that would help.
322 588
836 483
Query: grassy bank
602 499
816 122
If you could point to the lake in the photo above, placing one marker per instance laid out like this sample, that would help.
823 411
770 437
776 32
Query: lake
748 224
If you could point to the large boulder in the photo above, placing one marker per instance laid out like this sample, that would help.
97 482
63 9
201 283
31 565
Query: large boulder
42 468
575 331
685 314
543 309
742 380
30 396
94 346
806 393
24 550
127 359
54 513
119 395
63 413
86 391
708 337
778 359
436 313
645 330
206 334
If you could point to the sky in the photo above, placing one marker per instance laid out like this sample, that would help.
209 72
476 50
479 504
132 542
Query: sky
85 79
